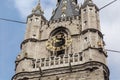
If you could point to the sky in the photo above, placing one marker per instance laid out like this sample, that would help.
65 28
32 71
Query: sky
12 34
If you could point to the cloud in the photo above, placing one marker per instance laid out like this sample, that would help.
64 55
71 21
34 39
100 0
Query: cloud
51 4
25 7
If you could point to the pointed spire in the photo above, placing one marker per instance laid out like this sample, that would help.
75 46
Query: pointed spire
39 3
66 8
38 9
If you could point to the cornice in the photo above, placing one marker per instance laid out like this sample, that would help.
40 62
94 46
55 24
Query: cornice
31 40
92 65
92 30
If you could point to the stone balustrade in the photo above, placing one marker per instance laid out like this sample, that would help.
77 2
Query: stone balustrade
61 61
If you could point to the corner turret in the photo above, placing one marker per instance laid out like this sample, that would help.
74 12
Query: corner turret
34 22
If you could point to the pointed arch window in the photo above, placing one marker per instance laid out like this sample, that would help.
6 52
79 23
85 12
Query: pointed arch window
63 15
59 41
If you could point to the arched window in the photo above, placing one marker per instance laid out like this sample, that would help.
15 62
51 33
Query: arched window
59 41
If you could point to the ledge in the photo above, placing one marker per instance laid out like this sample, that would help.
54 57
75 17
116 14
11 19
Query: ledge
91 30
99 49
31 40
63 70
24 59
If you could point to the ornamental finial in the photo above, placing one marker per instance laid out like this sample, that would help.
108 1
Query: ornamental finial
38 1
37 9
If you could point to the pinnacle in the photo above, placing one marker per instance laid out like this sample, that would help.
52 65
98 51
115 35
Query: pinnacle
65 8
38 2
38 9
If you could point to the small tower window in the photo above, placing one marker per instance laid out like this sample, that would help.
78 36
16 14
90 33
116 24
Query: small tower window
36 19
91 9
64 2
30 19
84 10
85 38
85 23
63 15
26 54
81 58
34 35
33 64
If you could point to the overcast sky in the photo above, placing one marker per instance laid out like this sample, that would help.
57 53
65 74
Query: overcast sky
12 34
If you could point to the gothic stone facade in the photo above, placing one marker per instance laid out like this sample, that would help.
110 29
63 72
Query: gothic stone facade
69 46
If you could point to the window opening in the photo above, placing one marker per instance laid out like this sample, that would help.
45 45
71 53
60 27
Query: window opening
36 19
60 53
85 38
63 15
81 58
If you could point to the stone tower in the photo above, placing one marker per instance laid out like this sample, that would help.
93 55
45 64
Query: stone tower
69 46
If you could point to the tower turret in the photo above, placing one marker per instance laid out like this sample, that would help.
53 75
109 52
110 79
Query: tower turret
90 15
91 36
35 22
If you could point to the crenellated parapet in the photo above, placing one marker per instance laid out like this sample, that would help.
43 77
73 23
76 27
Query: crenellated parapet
64 19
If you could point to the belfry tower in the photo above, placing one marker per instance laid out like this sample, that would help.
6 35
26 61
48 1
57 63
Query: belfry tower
69 46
